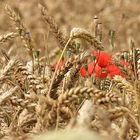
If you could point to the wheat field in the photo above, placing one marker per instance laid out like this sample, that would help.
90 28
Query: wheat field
69 69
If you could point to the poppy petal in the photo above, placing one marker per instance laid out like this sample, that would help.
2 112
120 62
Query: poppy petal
100 73
103 58
91 67
114 70
60 64
83 72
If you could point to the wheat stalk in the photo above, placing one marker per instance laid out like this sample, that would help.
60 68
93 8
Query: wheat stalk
125 85
55 29
34 83
7 94
88 93
7 68
8 36
84 34
22 31
61 74
137 55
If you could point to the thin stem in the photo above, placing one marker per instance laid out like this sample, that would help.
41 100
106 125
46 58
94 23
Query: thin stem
137 96
46 56
58 63
32 57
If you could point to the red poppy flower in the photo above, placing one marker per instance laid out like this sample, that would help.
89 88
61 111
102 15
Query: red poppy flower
83 72
60 64
114 70
103 58
100 72
90 71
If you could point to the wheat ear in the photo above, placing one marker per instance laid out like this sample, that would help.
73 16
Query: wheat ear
84 34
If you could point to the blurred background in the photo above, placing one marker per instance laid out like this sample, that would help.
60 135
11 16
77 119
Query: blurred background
121 16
